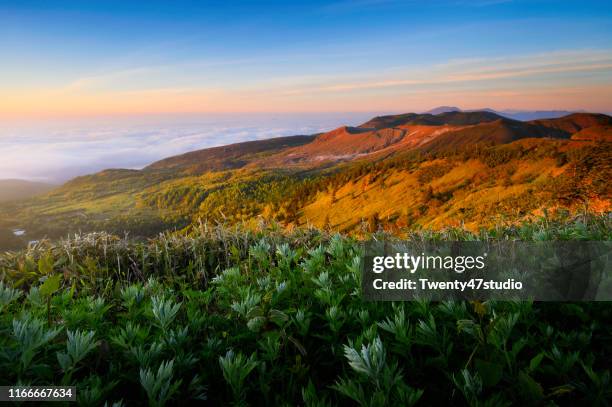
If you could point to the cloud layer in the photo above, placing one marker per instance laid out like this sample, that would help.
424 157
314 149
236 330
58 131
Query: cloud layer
57 151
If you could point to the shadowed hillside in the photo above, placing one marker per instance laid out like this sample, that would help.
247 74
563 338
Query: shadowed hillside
500 131
227 157
453 117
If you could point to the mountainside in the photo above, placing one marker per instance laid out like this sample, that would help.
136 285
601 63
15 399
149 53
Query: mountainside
341 144
453 118
227 157
397 171
594 133
388 135
500 131
11 189
573 123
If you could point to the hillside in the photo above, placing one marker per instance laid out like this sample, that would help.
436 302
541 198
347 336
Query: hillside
595 133
388 135
500 131
344 143
227 157
473 187
576 122
453 118
474 168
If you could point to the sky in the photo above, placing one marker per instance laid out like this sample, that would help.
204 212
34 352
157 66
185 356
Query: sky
72 70
71 58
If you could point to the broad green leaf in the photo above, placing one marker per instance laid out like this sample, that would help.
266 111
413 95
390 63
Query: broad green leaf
278 317
45 264
530 390
51 285
535 361
491 373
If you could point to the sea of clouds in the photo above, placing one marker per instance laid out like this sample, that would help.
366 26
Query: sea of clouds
57 150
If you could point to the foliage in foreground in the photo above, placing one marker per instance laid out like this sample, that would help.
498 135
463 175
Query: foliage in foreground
266 318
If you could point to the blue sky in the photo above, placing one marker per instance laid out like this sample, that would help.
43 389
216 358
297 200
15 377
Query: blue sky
165 77
122 57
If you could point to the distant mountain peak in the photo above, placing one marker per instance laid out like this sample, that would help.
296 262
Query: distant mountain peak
522 115
443 109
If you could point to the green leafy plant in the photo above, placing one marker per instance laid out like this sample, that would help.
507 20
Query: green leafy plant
164 311
236 368
159 385
79 344
160 315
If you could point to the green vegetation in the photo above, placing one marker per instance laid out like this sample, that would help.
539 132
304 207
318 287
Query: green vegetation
475 186
263 317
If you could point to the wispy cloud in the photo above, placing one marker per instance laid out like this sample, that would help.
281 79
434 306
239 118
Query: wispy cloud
476 70
102 80
189 87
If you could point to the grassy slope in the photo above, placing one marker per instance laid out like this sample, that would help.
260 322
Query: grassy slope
227 157
165 195
432 192
509 182
476 196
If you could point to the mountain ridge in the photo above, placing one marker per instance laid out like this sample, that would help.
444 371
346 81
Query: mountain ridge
523 115
232 155
401 132
428 170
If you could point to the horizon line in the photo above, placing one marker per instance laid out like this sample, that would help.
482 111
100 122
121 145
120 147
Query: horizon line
163 114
